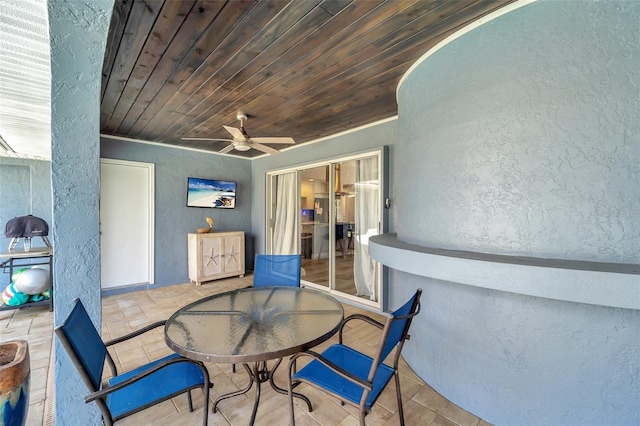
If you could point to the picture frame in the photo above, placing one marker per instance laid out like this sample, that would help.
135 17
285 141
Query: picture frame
211 193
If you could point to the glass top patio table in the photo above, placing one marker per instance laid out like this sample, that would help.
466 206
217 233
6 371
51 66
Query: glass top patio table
253 324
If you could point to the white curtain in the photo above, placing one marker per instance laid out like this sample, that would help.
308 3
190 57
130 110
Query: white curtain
286 217
366 210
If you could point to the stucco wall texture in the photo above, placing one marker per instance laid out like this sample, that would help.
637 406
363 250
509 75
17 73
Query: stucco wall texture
522 138
173 219
78 33
526 136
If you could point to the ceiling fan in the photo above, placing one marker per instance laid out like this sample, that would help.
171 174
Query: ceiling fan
242 142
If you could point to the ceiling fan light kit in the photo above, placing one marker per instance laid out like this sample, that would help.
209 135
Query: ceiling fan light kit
242 142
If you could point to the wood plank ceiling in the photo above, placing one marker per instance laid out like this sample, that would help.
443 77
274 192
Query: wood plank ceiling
304 69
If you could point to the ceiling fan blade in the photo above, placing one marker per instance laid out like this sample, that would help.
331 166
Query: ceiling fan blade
206 139
226 149
274 140
235 132
263 148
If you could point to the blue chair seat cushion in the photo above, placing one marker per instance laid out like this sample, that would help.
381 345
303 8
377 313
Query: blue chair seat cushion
355 363
165 383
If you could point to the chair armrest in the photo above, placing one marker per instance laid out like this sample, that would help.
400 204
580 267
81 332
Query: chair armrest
135 333
112 365
110 389
361 317
321 359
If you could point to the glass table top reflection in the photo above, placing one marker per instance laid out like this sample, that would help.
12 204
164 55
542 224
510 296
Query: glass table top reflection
253 324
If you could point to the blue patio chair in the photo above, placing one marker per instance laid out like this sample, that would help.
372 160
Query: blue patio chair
352 376
129 392
277 270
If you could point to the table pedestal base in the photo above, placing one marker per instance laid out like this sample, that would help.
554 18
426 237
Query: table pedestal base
259 373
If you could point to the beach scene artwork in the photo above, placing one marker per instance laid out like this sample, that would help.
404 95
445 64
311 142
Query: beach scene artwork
211 193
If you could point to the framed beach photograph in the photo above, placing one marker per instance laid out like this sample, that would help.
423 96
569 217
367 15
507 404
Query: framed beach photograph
211 193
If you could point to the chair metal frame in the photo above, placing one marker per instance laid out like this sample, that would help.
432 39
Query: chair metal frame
101 389
366 383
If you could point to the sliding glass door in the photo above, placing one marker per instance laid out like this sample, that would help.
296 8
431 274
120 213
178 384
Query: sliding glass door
327 212
314 225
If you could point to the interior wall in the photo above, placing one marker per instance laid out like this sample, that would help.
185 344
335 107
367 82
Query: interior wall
173 219
524 135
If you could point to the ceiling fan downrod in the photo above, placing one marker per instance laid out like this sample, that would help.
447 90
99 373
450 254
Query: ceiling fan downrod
242 117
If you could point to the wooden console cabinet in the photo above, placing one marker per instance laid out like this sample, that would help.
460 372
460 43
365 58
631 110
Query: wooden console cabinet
215 255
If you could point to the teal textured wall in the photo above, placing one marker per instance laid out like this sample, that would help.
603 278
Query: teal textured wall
173 219
524 137
529 128
78 33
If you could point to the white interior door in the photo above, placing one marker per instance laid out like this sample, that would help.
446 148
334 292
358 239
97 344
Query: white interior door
126 223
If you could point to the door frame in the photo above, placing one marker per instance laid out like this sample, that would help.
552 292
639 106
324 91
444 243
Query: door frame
382 274
150 169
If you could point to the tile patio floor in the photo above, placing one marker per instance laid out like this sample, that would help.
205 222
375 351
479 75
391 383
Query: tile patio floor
127 312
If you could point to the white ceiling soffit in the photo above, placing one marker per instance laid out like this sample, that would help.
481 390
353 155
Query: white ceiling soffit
25 79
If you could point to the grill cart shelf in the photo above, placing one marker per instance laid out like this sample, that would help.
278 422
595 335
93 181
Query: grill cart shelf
13 260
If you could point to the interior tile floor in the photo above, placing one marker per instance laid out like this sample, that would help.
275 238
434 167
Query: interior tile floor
127 312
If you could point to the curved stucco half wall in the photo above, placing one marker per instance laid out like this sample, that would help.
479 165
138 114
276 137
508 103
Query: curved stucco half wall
525 136
522 138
